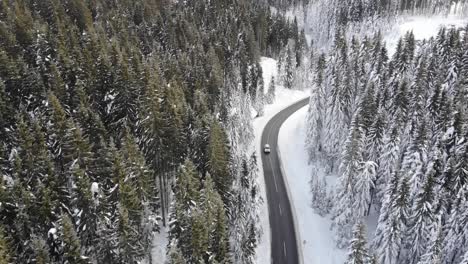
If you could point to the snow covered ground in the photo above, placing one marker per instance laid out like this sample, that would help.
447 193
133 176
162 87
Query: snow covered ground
284 98
423 27
158 250
317 238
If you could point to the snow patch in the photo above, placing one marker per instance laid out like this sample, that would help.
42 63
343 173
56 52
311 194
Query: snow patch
95 188
52 233
269 70
423 27
95 192
158 250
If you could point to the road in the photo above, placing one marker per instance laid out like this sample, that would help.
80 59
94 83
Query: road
283 238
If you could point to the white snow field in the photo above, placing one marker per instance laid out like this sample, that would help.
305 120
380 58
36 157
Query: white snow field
423 27
317 238
158 250
284 98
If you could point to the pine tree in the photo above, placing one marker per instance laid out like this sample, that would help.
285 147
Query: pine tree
175 256
5 111
58 130
434 251
71 243
173 109
289 69
465 259
358 252
321 201
23 24
80 14
316 111
219 160
455 238
139 172
84 202
260 100
421 220
187 196
219 237
271 94
392 221
25 152
344 216
216 78
388 162
41 250
461 168
364 188
5 254
106 112
199 241
129 244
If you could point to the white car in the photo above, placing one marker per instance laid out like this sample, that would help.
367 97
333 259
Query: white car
267 149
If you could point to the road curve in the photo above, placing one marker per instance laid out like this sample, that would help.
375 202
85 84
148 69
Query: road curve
284 249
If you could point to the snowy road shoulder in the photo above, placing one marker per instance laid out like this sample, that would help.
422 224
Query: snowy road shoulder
317 238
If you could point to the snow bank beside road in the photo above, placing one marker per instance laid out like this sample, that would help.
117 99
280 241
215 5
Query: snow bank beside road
317 238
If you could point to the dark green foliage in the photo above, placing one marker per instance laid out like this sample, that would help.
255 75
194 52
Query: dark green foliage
71 243
219 159
101 102
5 254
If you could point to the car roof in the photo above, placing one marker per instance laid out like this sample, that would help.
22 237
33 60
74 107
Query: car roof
267 145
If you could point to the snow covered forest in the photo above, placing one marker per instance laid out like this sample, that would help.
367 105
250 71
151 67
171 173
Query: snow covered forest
394 127
363 17
126 121
122 119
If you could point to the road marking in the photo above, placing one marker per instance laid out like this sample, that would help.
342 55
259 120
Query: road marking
273 172
276 185
274 177
281 211
284 249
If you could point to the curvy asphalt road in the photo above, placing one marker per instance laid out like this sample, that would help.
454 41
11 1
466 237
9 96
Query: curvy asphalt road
283 238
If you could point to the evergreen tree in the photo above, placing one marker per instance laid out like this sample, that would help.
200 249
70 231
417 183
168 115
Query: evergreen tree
129 243
456 234
5 254
321 201
316 111
271 94
289 69
421 220
219 160
364 188
434 251
218 233
199 241
358 251
465 259
175 257
42 254
111 98
186 197
71 243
